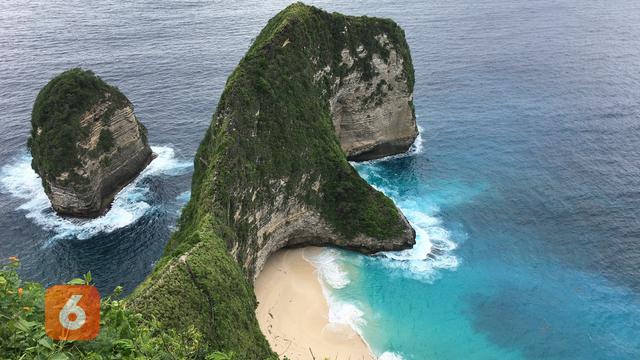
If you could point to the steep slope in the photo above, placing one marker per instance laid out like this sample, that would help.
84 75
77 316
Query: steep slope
86 143
271 171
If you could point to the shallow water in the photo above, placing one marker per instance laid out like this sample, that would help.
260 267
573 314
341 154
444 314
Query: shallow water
525 191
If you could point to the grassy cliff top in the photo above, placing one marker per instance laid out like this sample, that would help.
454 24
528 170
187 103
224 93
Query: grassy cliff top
55 119
324 35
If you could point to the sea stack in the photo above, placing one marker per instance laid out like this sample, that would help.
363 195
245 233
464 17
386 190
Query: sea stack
86 143
314 90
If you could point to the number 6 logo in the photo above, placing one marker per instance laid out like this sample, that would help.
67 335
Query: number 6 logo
72 312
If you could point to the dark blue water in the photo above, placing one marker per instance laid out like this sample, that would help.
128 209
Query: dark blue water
525 190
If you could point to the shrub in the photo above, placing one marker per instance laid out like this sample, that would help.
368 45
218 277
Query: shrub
123 334
105 141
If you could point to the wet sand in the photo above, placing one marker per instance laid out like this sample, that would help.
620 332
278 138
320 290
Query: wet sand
293 312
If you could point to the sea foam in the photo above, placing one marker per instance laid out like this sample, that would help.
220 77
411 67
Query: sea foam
387 355
130 204
333 277
416 148
432 252
434 248
329 269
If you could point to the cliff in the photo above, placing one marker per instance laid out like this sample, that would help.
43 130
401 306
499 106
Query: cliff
371 102
86 143
272 170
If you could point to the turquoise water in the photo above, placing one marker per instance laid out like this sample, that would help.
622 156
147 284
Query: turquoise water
529 166
486 305
524 190
530 115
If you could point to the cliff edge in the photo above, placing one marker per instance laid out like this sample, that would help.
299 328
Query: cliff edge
371 92
86 143
272 169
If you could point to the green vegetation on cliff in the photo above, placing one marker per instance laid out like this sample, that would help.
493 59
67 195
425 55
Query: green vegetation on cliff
55 119
123 334
205 287
272 129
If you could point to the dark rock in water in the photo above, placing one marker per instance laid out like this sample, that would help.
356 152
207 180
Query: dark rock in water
86 143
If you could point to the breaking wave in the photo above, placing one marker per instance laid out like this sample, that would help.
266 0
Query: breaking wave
416 148
130 204
333 277
434 247
329 269
387 355
432 251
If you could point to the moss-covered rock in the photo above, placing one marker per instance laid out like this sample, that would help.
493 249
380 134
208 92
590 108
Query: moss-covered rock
271 173
86 142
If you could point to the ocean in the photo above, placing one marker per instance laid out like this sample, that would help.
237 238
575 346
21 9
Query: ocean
523 187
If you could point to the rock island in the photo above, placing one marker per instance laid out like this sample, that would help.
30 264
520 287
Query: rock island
86 143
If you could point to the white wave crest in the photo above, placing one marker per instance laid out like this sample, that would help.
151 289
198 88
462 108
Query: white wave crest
19 180
342 313
418 145
416 148
183 197
327 264
432 251
387 355
332 277
433 248
166 163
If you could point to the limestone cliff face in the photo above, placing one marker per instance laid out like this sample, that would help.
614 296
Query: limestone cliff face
272 169
289 222
87 152
374 118
103 172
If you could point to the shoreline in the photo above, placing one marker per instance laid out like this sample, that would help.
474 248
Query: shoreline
293 312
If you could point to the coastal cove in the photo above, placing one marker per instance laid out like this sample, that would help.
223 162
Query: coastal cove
521 187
